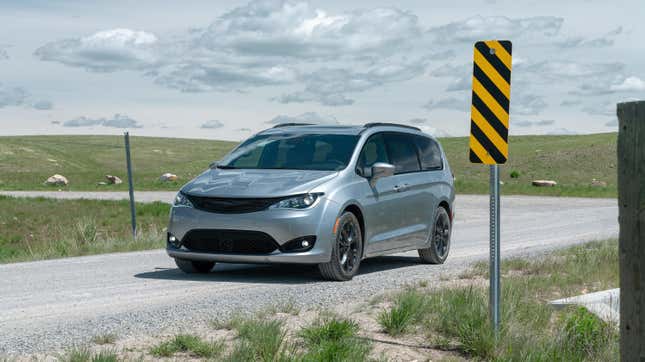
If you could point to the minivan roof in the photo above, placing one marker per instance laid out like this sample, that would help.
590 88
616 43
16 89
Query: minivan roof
335 128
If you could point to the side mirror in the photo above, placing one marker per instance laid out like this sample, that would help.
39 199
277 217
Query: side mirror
213 165
380 170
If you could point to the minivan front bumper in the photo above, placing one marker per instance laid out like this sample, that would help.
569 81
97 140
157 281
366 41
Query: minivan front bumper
282 225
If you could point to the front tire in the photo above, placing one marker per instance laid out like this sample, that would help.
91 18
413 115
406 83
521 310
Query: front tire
437 253
347 252
194 266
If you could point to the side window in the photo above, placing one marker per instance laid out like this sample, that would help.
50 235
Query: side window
430 154
373 151
402 152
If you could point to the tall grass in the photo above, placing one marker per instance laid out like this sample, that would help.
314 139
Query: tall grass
531 330
38 228
408 308
188 344
334 339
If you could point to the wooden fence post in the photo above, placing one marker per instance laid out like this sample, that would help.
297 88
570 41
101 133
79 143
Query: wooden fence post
631 216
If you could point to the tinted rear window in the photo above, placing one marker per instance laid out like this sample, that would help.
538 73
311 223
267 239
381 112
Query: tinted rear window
402 152
430 153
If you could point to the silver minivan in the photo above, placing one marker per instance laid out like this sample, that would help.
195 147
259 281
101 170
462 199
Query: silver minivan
317 194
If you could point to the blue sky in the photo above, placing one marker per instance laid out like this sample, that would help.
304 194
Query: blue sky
216 69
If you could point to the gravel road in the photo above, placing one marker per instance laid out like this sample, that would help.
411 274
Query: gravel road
54 304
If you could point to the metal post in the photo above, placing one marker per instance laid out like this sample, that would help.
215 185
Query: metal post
133 213
494 248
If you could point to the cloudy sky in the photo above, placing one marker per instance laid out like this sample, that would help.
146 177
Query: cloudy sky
216 69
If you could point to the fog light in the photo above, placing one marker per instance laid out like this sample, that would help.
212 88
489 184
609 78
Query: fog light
172 240
303 243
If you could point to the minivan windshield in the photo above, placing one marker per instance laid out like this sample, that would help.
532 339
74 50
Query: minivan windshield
293 151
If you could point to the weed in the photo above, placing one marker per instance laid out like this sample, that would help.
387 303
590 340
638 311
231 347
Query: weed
108 338
85 355
334 339
260 340
188 343
515 174
406 310
585 334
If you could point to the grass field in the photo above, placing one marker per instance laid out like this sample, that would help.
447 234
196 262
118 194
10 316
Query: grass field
26 161
38 228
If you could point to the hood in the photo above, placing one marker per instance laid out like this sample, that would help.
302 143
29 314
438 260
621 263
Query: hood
256 183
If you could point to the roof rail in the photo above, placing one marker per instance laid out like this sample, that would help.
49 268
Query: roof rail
292 124
376 124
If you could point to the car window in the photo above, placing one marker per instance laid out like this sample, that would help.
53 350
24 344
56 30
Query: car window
373 151
430 153
293 151
402 152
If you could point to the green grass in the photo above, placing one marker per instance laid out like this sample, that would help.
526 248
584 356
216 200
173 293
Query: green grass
572 161
407 309
39 228
187 343
26 161
260 339
334 339
531 330
85 355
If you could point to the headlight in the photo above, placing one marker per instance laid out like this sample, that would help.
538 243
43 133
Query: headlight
298 202
182 200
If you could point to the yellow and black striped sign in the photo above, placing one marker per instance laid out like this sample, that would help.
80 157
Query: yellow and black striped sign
491 99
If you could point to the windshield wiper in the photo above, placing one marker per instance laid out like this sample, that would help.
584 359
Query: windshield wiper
226 167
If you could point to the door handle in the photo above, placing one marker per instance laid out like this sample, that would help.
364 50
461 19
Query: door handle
401 188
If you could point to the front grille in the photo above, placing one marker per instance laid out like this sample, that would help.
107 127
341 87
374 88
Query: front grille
223 205
229 242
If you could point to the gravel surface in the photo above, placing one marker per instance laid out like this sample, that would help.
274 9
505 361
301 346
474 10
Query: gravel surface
54 304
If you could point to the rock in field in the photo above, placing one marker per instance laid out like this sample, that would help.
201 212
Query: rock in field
168 177
113 180
57 180
544 183
598 183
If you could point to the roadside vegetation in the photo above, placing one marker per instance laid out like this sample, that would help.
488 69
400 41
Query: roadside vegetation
574 162
39 228
457 318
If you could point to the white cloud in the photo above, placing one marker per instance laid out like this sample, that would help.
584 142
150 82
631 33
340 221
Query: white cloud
426 127
117 121
308 117
496 27
43 105
604 40
612 124
527 104
212 124
104 51
12 96
453 103
4 55
629 84
527 123
265 43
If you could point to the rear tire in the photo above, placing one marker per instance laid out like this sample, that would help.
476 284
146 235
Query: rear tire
347 252
194 266
437 253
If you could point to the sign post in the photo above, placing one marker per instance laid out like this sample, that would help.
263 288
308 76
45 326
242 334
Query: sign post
133 214
489 120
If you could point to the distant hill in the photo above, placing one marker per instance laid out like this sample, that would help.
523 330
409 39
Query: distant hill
26 161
